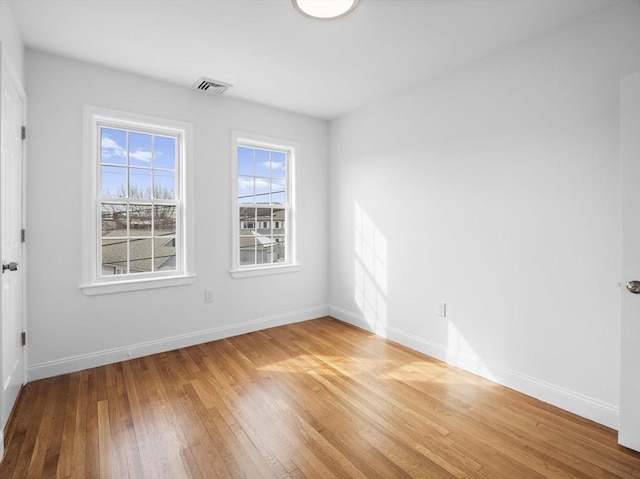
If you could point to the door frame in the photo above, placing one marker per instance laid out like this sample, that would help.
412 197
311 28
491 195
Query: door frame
8 73
629 407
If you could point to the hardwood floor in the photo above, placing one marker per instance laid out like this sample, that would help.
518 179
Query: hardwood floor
318 399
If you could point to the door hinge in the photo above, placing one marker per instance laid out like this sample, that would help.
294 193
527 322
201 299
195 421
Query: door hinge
24 132
24 338
23 236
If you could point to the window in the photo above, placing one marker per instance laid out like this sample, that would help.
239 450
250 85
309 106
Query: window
137 201
264 219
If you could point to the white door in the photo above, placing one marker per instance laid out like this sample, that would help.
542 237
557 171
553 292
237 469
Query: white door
11 249
629 417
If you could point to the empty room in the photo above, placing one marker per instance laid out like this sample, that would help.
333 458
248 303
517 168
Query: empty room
320 238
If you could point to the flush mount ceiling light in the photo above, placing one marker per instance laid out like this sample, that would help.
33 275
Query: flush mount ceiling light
325 9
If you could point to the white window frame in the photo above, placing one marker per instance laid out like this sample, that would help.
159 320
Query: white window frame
93 282
292 256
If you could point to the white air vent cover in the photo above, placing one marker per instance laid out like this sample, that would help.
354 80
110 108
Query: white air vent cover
211 86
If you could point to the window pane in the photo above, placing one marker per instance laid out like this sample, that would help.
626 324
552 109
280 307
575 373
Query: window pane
264 248
140 255
139 183
279 217
245 189
278 192
247 250
165 254
114 219
140 149
165 220
278 164
114 257
140 220
113 145
114 181
262 190
262 163
263 254
247 220
263 214
279 249
164 185
164 152
245 161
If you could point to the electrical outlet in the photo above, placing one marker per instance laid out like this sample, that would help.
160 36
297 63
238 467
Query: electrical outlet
208 295
442 310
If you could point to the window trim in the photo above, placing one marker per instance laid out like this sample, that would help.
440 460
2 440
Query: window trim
91 283
293 250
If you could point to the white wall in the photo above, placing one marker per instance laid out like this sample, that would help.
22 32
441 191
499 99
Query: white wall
70 331
11 40
495 189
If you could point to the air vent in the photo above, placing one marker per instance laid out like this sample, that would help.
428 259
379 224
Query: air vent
211 86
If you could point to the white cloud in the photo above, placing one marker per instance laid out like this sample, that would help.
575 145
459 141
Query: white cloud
247 183
274 165
141 155
111 148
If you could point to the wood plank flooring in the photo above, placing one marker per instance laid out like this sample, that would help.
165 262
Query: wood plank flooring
318 399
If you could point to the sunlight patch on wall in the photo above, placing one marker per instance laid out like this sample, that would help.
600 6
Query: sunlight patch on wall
371 271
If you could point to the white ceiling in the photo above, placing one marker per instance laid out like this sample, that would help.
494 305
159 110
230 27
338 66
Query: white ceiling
274 55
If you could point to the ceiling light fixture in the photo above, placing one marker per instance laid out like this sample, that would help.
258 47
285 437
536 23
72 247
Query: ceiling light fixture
325 9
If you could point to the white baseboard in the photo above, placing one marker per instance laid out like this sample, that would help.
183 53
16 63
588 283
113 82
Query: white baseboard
85 361
571 401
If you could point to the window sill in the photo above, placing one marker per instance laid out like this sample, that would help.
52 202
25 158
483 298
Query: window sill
264 271
135 285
